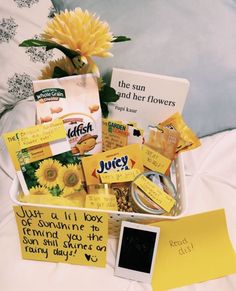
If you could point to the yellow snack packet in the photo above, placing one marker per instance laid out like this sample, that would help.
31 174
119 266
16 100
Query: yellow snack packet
114 134
188 140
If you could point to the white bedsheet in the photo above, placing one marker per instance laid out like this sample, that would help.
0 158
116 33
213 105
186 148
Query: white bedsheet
211 184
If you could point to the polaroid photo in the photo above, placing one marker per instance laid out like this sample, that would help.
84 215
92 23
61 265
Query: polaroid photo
137 250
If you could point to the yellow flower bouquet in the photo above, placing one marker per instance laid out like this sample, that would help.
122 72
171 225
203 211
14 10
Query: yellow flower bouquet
80 36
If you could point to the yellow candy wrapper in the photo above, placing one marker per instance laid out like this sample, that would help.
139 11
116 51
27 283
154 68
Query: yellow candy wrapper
188 140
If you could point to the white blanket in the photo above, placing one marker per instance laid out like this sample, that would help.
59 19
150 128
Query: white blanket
211 184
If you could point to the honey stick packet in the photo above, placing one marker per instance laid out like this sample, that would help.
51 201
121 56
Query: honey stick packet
188 140
163 140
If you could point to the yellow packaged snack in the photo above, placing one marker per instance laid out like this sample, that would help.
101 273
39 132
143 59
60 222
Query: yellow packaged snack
75 100
120 159
114 134
47 170
117 134
164 140
188 140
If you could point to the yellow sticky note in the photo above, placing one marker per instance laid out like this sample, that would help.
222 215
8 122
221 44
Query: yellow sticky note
193 249
101 201
62 235
42 133
155 193
119 177
154 160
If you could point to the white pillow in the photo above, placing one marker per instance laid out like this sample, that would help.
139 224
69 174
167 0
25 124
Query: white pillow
21 20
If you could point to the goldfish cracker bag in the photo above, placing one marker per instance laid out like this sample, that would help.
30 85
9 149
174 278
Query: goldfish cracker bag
75 100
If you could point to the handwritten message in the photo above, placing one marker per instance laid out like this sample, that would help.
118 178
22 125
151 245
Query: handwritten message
198 247
119 177
101 201
62 235
182 247
155 193
39 134
154 160
31 143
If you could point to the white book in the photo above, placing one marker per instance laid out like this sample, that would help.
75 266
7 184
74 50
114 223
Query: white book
145 98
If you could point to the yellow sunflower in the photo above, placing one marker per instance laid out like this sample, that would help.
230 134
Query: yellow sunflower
63 63
37 194
39 190
47 173
69 180
81 31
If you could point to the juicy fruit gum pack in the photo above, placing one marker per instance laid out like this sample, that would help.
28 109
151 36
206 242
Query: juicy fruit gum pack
75 100
124 158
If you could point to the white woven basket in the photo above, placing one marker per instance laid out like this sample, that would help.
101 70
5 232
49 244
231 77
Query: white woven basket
115 217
